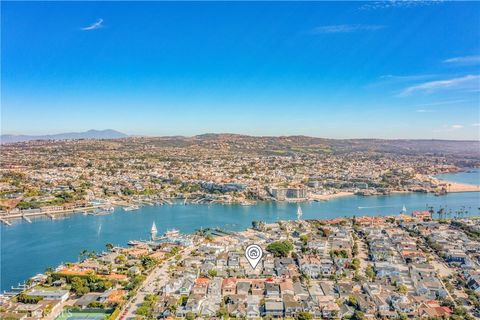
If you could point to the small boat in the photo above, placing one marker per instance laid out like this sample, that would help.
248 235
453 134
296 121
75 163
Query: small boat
135 242
131 208
103 213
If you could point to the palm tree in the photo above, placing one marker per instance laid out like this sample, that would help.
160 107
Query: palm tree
441 212
83 254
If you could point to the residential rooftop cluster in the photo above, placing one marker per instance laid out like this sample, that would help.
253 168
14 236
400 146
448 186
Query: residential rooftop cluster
408 266
53 176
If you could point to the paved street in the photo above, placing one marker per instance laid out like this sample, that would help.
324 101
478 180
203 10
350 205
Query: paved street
152 284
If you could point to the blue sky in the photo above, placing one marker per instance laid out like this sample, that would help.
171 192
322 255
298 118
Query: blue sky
338 70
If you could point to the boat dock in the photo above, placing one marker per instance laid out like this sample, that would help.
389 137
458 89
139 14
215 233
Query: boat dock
216 232
8 223
51 216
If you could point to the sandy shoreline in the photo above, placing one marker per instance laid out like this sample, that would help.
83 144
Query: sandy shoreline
459 187
326 197
452 187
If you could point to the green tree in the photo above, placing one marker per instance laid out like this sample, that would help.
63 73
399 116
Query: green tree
304 239
402 316
355 264
358 315
370 272
280 248
96 305
212 273
148 262
79 286
352 301
402 289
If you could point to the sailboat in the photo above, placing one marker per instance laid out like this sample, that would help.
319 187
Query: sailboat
404 209
299 213
153 231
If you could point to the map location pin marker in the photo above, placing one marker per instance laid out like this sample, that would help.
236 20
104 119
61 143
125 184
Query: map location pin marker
254 254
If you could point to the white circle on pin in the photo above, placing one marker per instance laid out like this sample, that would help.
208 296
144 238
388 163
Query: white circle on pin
254 254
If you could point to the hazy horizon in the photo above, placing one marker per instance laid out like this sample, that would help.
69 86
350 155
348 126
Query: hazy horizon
231 133
321 69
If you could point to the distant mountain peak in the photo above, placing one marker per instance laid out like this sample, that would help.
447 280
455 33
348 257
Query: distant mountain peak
90 134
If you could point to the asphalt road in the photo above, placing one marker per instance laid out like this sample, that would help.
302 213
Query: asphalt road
157 278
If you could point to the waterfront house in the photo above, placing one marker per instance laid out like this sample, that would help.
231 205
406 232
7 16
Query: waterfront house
61 295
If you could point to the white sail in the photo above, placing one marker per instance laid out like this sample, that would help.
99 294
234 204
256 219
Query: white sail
154 228
299 212
404 209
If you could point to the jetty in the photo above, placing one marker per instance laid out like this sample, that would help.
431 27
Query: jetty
8 223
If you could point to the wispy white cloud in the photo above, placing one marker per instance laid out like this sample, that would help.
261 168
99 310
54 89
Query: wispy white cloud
93 26
439 103
466 60
346 28
373 5
393 77
465 82
436 103
476 124
450 128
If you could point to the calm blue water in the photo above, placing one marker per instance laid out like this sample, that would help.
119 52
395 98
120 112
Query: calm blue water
27 249
468 177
